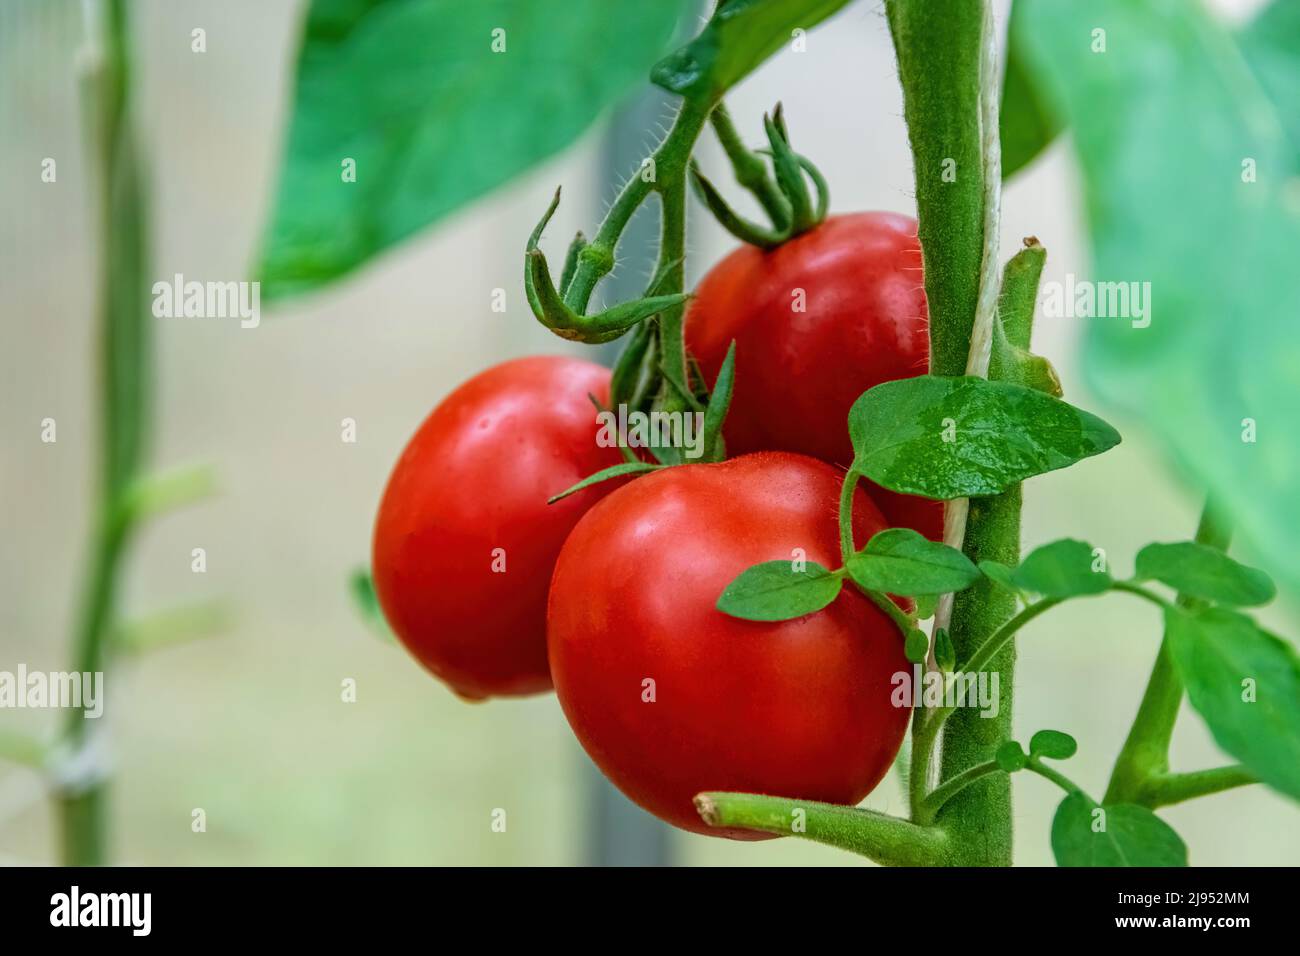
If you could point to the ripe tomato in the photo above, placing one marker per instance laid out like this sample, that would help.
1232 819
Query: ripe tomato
465 542
672 697
817 321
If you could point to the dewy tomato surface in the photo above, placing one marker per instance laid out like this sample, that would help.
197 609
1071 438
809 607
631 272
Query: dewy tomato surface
465 542
672 697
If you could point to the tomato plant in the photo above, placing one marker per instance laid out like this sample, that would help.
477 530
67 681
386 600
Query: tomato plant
670 695
817 321
465 541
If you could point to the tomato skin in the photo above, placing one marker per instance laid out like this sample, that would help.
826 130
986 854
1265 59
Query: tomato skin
798 372
794 708
475 477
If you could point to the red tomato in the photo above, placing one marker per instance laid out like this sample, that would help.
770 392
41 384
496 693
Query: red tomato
465 542
795 708
817 321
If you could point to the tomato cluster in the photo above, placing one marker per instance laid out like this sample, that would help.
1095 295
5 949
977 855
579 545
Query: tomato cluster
610 594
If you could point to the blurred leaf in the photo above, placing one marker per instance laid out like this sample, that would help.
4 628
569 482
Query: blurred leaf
1129 835
1165 124
1203 572
901 561
433 117
1061 569
739 36
1026 123
775 591
174 626
363 593
1245 682
1271 45
942 437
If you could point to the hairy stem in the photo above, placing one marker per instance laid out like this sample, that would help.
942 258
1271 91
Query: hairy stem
932 803
888 840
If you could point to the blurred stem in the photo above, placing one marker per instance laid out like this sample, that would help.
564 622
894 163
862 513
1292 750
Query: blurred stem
123 382
1141 773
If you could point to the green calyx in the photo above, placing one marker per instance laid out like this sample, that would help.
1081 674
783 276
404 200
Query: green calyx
783 193
561 310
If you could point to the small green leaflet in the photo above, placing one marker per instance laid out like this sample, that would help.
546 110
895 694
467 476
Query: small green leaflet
776 591
1245 683
916 646
901 561
1053 744
1203 572
1010 757
956 437
1061 569
719 402
605 474
1123 834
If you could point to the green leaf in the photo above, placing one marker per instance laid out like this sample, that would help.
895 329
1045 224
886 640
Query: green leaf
945 654
776 591
719 402
926 605
1203 572
1122 834
1245 682
1061 569
1169 112
1053 744
1011 757
1271 45
999 574
740 35
901 561
1026 122
605 474
957 437
362 586
916 646
413 92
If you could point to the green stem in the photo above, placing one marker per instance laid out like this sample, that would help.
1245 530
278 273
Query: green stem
931 804
749 168
901 619
1162 790
847 548
124 380
1145 755
888 840
1000 638
1061 780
